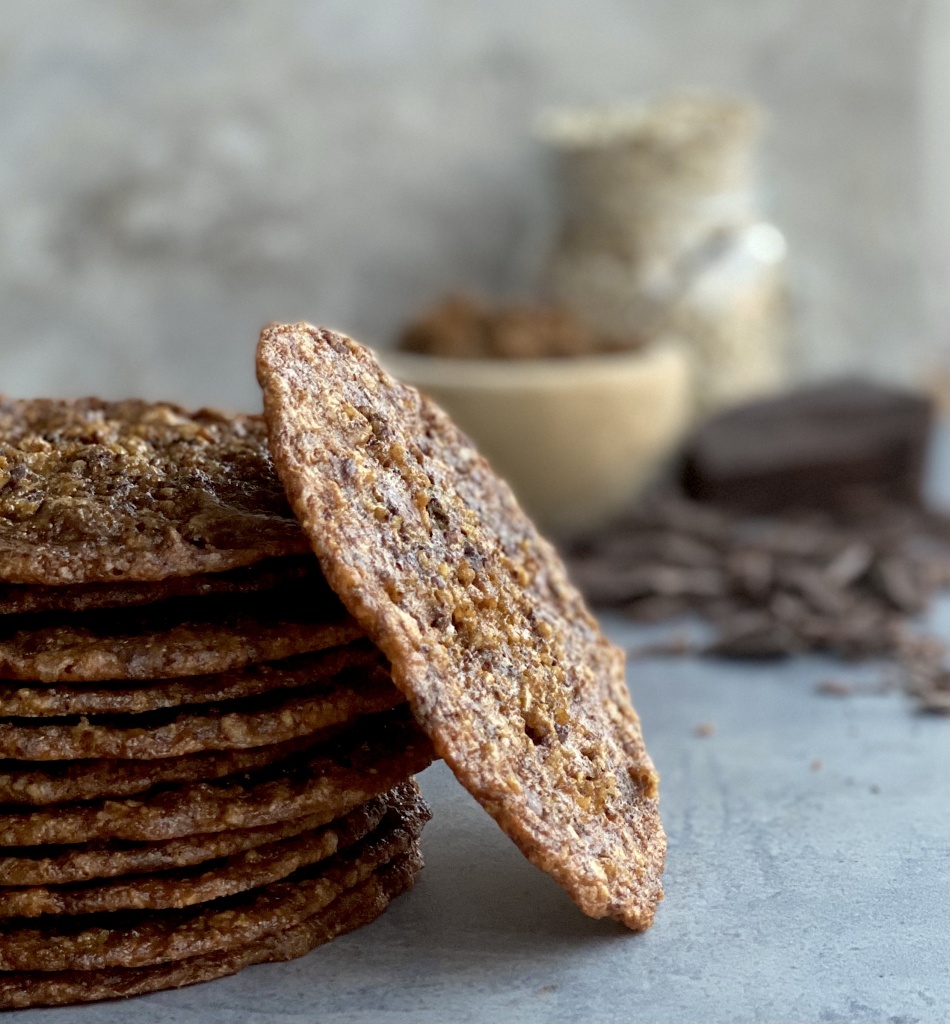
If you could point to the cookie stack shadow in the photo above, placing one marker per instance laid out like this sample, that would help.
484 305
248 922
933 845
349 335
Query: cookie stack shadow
199 773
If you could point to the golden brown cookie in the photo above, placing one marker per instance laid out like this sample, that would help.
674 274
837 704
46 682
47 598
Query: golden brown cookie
231 725
186 638
328 780
89 942
55 782
97 492
352 909
268 574
20 700
64 865
184 887
501 662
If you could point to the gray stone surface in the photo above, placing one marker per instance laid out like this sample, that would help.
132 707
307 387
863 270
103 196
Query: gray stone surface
175 175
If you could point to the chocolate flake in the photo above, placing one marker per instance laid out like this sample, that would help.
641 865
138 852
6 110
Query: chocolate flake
847 582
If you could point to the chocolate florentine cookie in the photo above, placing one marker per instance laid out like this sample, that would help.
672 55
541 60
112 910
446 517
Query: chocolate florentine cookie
231 725
140 938
327 780
268 574
193 637
248 869
62 782
352 909
82 862
94 491
356 660
499 658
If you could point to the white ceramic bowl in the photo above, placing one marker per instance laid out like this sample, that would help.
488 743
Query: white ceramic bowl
577 439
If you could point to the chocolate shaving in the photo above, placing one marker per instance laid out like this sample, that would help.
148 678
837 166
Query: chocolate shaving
848 582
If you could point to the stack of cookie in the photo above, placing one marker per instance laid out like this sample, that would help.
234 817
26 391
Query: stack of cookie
205 762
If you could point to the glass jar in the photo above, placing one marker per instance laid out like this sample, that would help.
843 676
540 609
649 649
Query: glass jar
661 234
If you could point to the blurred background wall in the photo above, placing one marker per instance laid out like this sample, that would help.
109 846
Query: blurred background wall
173 176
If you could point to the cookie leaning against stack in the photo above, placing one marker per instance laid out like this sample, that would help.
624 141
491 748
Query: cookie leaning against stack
204 762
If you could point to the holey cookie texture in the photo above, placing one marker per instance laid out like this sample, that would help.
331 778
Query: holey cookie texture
500 660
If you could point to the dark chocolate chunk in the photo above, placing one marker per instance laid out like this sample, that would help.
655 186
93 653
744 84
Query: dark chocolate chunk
812 447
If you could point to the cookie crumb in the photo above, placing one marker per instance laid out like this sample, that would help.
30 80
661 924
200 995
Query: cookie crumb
835 688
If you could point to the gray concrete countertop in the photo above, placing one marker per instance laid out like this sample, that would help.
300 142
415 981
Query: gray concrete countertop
807 881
